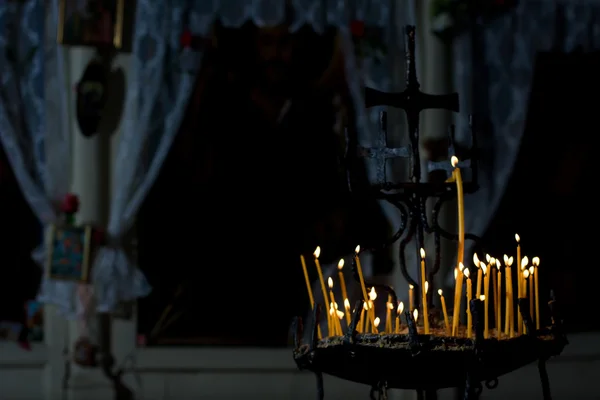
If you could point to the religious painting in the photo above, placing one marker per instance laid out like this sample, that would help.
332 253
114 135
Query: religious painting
96 23
70 253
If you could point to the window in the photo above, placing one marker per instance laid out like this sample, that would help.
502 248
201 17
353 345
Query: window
254 178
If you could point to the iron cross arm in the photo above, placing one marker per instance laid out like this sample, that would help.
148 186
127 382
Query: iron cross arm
412 100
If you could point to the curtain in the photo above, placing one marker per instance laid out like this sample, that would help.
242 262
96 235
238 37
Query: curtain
163 76
32 125
498 85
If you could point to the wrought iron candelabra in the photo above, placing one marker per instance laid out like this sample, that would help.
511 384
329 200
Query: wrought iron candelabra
414 360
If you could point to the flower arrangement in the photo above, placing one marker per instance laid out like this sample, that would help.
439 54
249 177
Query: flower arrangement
452 17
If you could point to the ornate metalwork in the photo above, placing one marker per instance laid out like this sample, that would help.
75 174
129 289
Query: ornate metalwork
405 360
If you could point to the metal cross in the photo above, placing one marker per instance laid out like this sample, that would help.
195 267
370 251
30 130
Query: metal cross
412 101
381 153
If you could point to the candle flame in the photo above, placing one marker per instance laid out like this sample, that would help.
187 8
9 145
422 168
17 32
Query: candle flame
422 251
455 273
475 260
535 261
505 259
482 297
492 261
330 283
517 237
454 161
341 264
335 305
440 292
467 273
390 306
487 258
370 304
376 322
498 263
346 304
416 314
461 266
331 310
357 249
484 268
340 314
426 287
372 294
526 274
317 252
365 307
531 270
411 287
510 261
400 308
524 262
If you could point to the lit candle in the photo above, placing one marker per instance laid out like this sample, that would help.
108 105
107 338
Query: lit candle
469 297
411 304
317 253
508 312
416 317
388 315
494 283
525 279
519 281
360 274
347 310
531 292
376 322
457 177
340 318
363 318
536 262
309 289
486 294
478 264
446 320
372 298
336 321
498 302
399 312
424 293
344 292
523 290
458 298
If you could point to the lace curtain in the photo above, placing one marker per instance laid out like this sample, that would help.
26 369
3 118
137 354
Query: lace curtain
32 126
163 76
500 85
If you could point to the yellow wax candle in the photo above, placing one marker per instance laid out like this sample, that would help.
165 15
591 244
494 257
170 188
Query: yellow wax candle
486 293
424 293
536 262
456 316
498 301
461 209
445 312
399 312
360 275
479 280
309 289
363 318
469 298
523 291
531 292
388 315
509 318
411 304
340 318
372 298
369 324
494 283
347 311
336 321
455 305
344 292
317 253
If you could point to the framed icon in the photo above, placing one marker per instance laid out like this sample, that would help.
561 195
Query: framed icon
94 23
70 253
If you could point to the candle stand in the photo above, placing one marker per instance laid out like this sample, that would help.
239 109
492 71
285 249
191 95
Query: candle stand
411 360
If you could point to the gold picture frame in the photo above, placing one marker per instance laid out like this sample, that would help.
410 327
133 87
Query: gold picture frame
69 253
98 23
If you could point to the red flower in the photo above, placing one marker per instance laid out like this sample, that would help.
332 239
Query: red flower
357 28
186 39
70 204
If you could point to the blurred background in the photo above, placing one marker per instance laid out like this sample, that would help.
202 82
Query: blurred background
225 146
